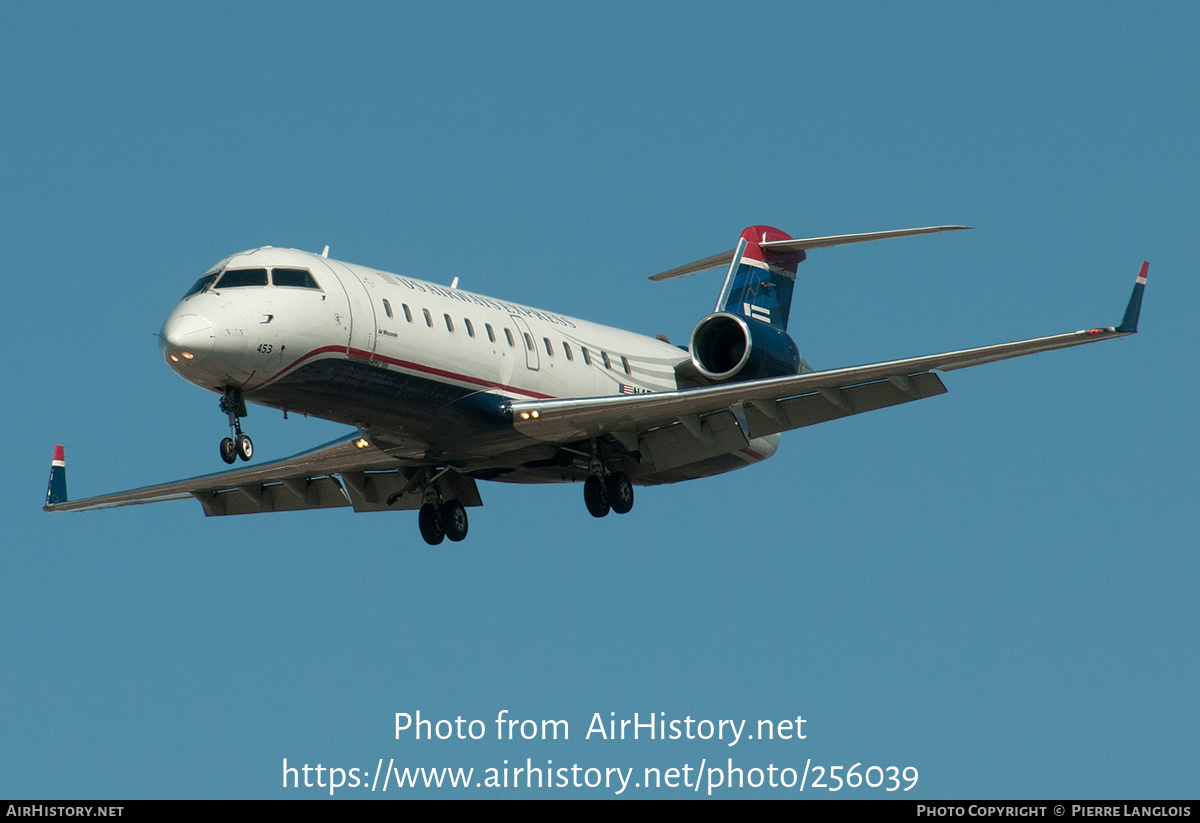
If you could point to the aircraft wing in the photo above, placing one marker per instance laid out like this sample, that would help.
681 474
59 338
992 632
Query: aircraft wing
345 472
777 404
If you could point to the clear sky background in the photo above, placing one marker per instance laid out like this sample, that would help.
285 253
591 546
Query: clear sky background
996 586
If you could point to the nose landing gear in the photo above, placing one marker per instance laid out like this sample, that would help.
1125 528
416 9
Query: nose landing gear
240 444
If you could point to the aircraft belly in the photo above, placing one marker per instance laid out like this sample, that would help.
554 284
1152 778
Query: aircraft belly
432 418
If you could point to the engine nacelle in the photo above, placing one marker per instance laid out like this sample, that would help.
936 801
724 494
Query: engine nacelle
726 346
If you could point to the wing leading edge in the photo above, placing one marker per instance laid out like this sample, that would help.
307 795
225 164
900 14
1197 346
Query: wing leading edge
779 404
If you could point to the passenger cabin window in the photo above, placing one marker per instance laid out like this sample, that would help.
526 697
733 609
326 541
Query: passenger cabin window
428 318
607 362
202 284
625 365
567 350
407 313
491 333
387 307
549 348
295 279
587 357
508 334
449 323
237 278
528 340
470 328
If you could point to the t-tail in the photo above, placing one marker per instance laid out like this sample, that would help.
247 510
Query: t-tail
57 490
761 279
761 273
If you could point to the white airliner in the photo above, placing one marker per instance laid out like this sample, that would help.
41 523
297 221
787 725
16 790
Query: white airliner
446 387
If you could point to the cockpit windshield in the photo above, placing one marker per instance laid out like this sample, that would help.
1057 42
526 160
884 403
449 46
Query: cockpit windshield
236 278
295 278
202 284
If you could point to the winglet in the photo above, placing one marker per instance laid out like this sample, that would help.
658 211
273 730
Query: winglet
1134 309
57 491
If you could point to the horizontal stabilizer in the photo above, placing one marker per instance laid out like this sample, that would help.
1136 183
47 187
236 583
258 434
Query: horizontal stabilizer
846 239
723 259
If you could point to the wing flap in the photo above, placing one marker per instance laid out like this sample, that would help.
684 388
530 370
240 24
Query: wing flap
810 409
286 496
397 491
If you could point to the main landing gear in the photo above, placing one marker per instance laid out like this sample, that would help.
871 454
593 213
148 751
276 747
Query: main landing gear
439 519
604 490
240 444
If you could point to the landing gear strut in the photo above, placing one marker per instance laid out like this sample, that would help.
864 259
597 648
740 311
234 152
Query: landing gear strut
240 444
605 491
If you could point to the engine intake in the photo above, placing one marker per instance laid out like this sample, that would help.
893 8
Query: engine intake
726 345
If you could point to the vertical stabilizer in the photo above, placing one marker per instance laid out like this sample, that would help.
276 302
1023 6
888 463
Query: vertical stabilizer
760 280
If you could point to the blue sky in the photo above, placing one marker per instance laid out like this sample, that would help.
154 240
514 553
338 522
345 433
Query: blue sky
996 586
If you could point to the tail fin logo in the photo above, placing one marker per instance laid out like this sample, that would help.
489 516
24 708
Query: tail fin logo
760 281
756 312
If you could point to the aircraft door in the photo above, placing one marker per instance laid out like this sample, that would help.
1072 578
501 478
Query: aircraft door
361 322
528 343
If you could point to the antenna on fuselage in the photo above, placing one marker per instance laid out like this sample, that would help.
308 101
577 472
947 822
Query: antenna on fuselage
326 252
454 283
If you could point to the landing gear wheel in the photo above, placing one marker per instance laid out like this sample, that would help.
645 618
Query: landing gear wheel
595 495
454 520
620 492
245 447
431 525
228 450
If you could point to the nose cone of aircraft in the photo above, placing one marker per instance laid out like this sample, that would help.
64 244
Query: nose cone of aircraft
186 339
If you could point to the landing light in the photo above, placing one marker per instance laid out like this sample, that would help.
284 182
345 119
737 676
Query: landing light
187 355
361 443
174 359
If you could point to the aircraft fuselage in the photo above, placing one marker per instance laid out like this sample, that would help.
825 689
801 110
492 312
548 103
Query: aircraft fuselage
427 368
